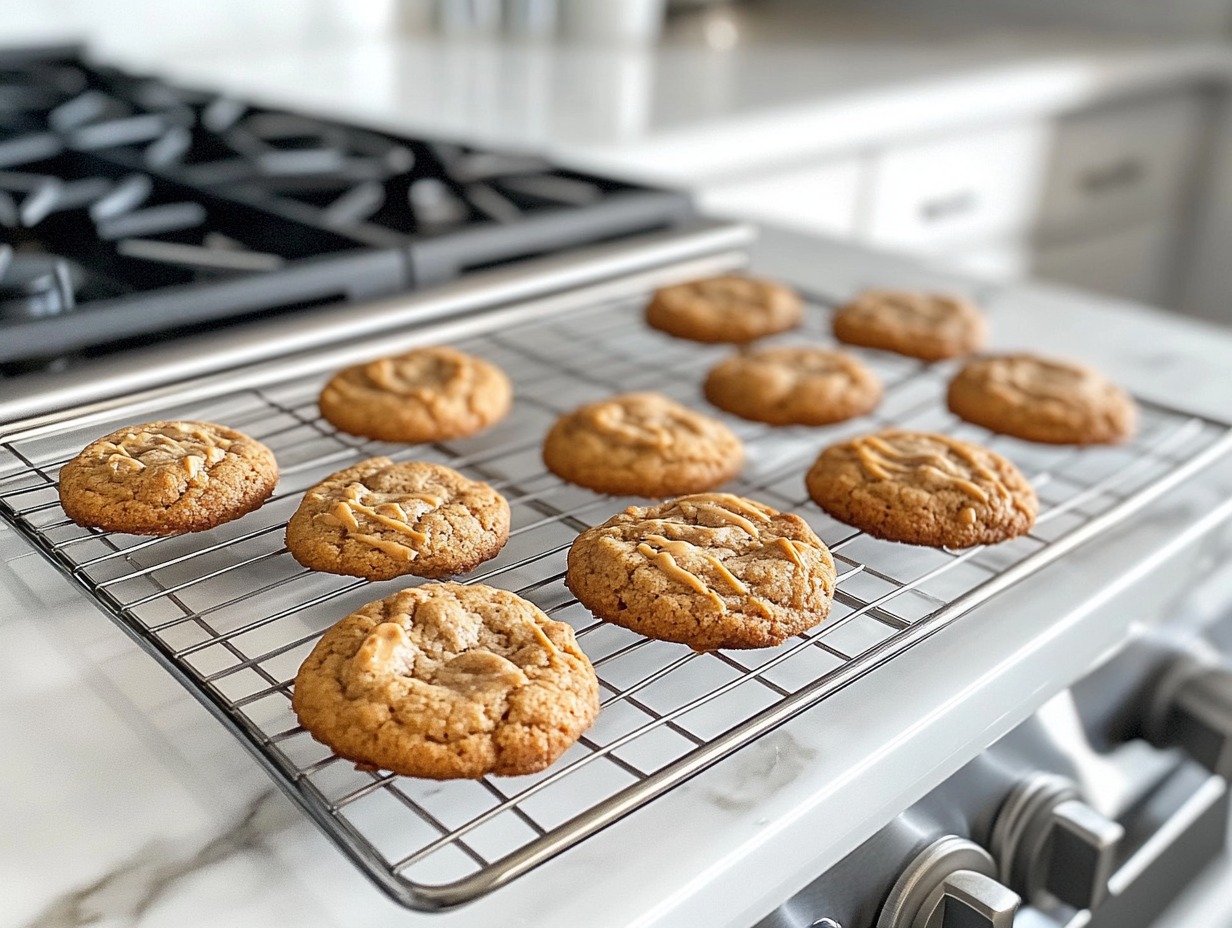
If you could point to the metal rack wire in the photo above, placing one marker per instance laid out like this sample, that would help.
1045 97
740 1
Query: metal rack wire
231 615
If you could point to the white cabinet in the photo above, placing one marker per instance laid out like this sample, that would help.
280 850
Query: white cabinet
930 197
1133 262
1117 195
1120 164
1094 198
821 198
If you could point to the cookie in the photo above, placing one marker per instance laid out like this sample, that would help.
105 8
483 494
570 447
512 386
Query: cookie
794 386
167 478
446 681
429 394
642 444
923 489
381 520
1042 400
929 326
711 571
725 309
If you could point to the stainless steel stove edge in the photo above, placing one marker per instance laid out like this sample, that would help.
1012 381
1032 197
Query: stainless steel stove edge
1174 811
616 269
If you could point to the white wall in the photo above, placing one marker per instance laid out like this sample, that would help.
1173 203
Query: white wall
140 29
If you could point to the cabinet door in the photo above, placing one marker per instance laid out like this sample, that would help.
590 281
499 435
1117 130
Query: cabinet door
1120 164
820 198
931 197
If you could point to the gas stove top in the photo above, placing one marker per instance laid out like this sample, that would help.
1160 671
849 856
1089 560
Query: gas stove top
134 210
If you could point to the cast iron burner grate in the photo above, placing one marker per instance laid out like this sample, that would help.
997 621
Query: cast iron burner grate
231 615
149 207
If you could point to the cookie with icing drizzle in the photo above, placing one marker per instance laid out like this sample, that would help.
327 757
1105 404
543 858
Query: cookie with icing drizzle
793 386
711 570
380 520
642 444
929 326
923 489
447 681
725 309
1043 400
429 394
167 478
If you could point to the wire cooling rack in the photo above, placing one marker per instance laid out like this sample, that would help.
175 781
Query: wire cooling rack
232 615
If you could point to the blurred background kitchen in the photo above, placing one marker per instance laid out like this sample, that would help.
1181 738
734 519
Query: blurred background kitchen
1080 141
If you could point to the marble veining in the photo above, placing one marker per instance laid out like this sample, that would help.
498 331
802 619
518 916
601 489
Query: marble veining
126 892
763 768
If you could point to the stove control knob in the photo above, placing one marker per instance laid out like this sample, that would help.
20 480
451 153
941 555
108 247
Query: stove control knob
1191 708
1049 842
950 884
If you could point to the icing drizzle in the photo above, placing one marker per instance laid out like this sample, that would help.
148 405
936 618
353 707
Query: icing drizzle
883 459
663 552
541 636
423 374
644 420
667 563
386 510
380 647
194 452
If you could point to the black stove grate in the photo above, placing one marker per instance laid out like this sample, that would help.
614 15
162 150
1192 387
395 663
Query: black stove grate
131 207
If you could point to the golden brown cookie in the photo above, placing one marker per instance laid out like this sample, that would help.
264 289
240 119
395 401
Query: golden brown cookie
794 386
167 478
381 520
929 326
446 681
725 309
923 489
1042 400
711 571
642 444
429 394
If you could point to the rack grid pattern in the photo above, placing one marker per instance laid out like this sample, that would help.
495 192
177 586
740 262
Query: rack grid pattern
232 615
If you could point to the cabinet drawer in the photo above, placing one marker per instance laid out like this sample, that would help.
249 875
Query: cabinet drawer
1132 263
1120 164
929 197
820 198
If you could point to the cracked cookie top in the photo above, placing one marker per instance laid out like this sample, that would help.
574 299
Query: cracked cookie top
429 394
381 520
167 478
1043 400
642 444
445 681
924 489
725 309
929 326
710 570
793 386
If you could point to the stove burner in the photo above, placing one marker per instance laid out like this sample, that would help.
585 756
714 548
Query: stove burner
36 286
163 206
213 257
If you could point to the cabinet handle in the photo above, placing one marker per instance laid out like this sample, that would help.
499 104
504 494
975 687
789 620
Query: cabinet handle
1110 177
948 207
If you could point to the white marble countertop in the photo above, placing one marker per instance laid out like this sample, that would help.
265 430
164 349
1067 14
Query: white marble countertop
125 804
686 113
